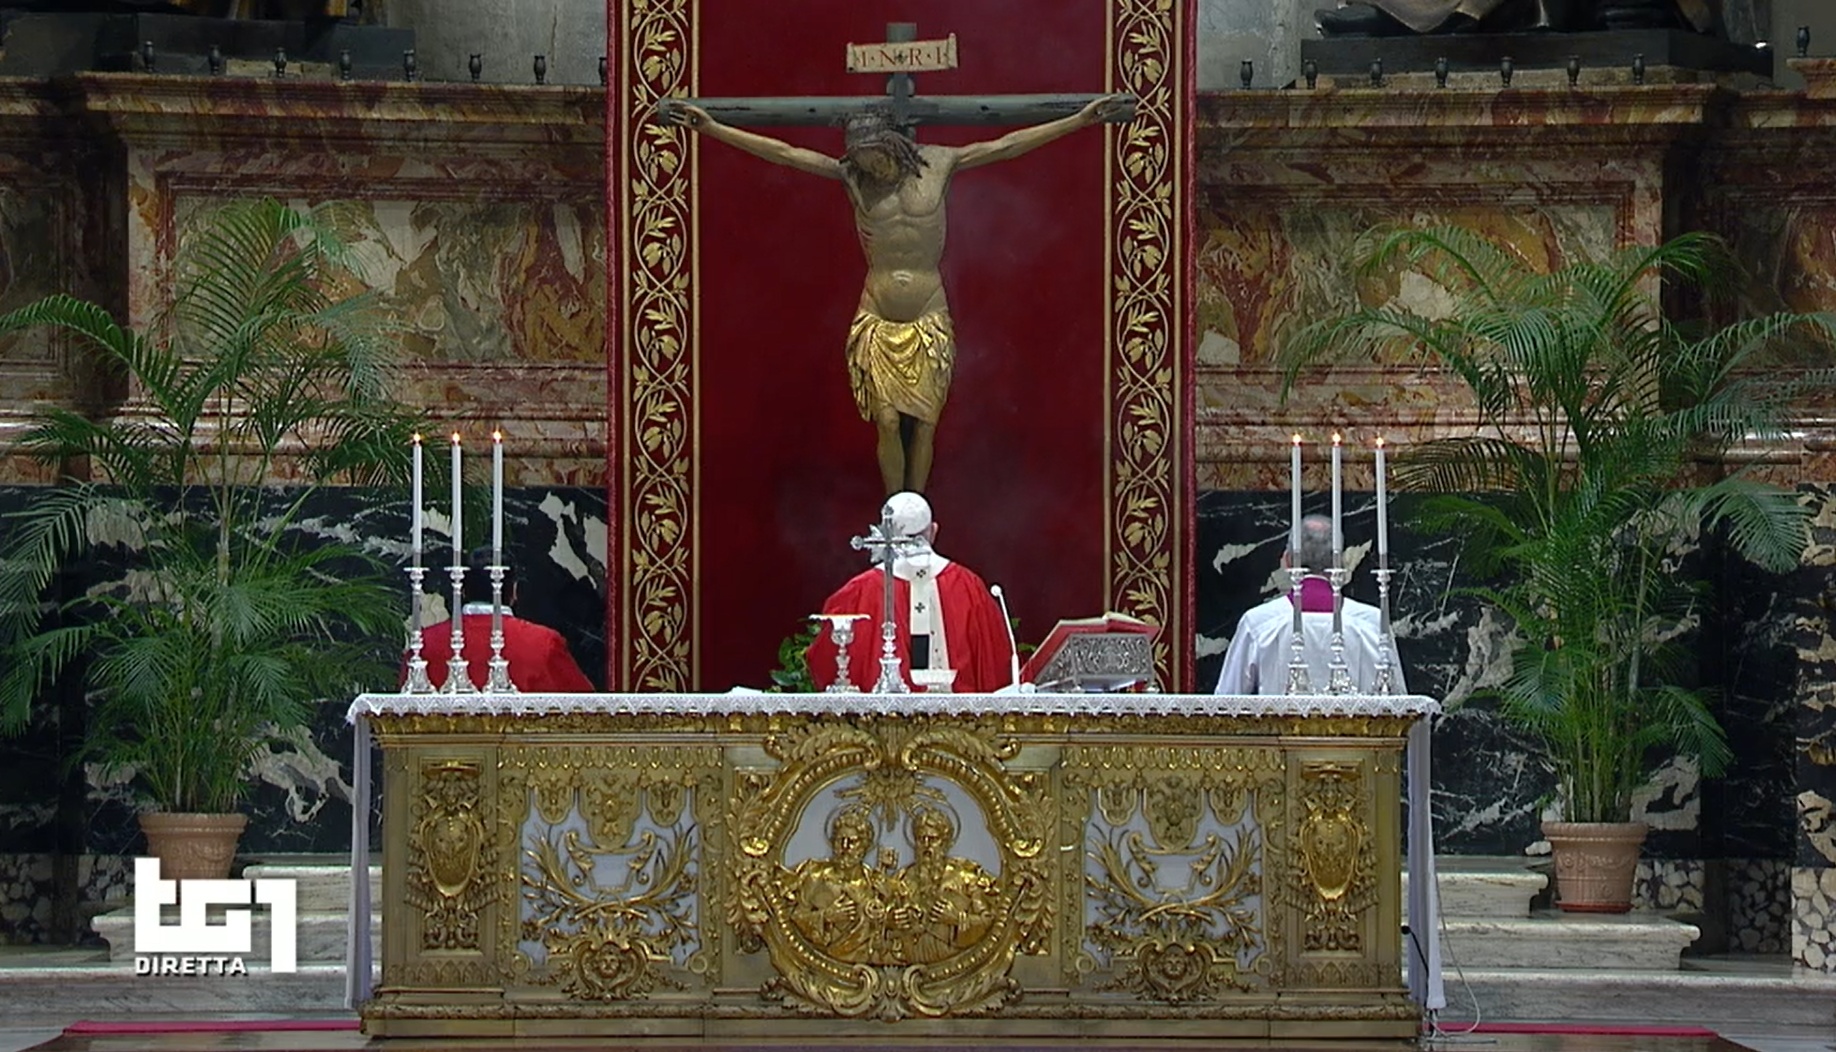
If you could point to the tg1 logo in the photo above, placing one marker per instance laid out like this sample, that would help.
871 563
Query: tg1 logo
195 946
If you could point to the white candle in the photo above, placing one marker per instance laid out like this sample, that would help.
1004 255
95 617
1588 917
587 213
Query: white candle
497 497
458 507
415 497
1383 514
1294 518
1338 492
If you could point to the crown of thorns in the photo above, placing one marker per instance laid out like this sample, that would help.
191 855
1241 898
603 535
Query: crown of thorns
874 130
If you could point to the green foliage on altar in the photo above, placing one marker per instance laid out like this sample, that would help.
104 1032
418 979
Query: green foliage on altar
1608 448
792 676
224 625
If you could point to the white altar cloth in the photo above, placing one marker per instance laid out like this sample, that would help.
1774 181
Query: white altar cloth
1423 957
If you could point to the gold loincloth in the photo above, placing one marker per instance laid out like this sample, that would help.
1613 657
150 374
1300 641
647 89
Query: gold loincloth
902 365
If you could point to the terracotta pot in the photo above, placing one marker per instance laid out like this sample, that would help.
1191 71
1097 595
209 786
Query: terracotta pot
192 847
1594 864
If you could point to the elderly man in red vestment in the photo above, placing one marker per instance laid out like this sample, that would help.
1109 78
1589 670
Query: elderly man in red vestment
944 613
540 662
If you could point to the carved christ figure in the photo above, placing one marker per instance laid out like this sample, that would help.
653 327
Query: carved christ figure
901 345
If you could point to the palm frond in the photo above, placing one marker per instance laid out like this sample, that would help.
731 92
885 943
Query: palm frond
228 620
1594 408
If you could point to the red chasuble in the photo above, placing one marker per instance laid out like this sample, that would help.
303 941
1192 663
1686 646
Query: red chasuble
978 647
540 662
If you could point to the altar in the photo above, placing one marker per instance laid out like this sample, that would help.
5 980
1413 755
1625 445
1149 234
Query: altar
780 865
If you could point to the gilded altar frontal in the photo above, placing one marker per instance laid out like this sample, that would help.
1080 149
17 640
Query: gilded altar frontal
699 875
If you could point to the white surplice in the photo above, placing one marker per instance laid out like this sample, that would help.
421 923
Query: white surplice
1257 663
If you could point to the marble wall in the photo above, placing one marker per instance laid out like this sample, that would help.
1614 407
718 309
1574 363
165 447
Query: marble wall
301 800
1269 33
1288 183
571 34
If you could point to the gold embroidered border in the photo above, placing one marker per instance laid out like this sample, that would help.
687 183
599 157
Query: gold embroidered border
1147 520
654 633
656 438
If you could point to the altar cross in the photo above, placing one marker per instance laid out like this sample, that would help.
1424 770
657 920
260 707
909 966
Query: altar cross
881 542
900 56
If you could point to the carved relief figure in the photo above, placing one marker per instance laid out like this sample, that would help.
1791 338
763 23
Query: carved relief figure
838 903
948 903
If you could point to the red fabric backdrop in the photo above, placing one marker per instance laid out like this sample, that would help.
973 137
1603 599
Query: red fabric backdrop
785 466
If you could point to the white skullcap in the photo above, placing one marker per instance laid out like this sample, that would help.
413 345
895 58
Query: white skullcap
910 514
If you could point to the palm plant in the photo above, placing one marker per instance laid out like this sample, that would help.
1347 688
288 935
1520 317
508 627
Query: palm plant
225 626
1601 457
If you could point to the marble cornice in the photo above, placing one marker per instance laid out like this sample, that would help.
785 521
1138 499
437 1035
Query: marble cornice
31 114
1388 118
245 111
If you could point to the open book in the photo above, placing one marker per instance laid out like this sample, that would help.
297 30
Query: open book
1049 661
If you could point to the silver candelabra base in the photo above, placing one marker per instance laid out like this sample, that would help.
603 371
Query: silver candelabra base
497 679
417 681
1299 681
1338 675
1386 644
458 673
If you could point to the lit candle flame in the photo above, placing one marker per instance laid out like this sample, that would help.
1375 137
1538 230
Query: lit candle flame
1336 438
1297 440
455 438
417 438
1379 441
497 436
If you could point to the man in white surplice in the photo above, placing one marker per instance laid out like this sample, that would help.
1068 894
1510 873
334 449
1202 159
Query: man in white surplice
1257 663
1257 660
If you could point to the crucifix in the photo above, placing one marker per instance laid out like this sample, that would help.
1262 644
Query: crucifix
901 348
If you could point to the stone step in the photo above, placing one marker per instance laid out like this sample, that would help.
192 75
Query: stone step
320 937
51 986
1722 993
58 995
1485 886
1549 939
319 888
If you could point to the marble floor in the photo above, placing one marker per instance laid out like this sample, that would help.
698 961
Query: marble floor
1792 1012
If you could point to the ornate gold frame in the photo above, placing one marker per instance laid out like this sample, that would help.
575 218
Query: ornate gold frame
653 591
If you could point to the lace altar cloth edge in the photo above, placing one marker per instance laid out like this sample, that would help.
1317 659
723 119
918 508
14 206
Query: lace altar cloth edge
919 704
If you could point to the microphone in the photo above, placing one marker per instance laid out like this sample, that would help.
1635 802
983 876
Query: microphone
1013 647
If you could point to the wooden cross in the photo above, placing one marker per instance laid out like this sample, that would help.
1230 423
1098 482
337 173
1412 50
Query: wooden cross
900 56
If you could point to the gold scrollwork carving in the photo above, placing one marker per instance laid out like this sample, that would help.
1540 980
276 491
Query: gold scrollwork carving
608 941
448 856
1172 902
614 902
856 934
1336 880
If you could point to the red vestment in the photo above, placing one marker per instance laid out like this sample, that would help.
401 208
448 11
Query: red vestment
540 662
978 646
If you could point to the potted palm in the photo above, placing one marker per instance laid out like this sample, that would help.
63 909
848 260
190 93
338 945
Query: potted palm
223 626
1602 456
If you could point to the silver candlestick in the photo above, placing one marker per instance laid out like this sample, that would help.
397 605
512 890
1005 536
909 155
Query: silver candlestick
1299 682
417 682
1338 676
458 673
499 677
1386 653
